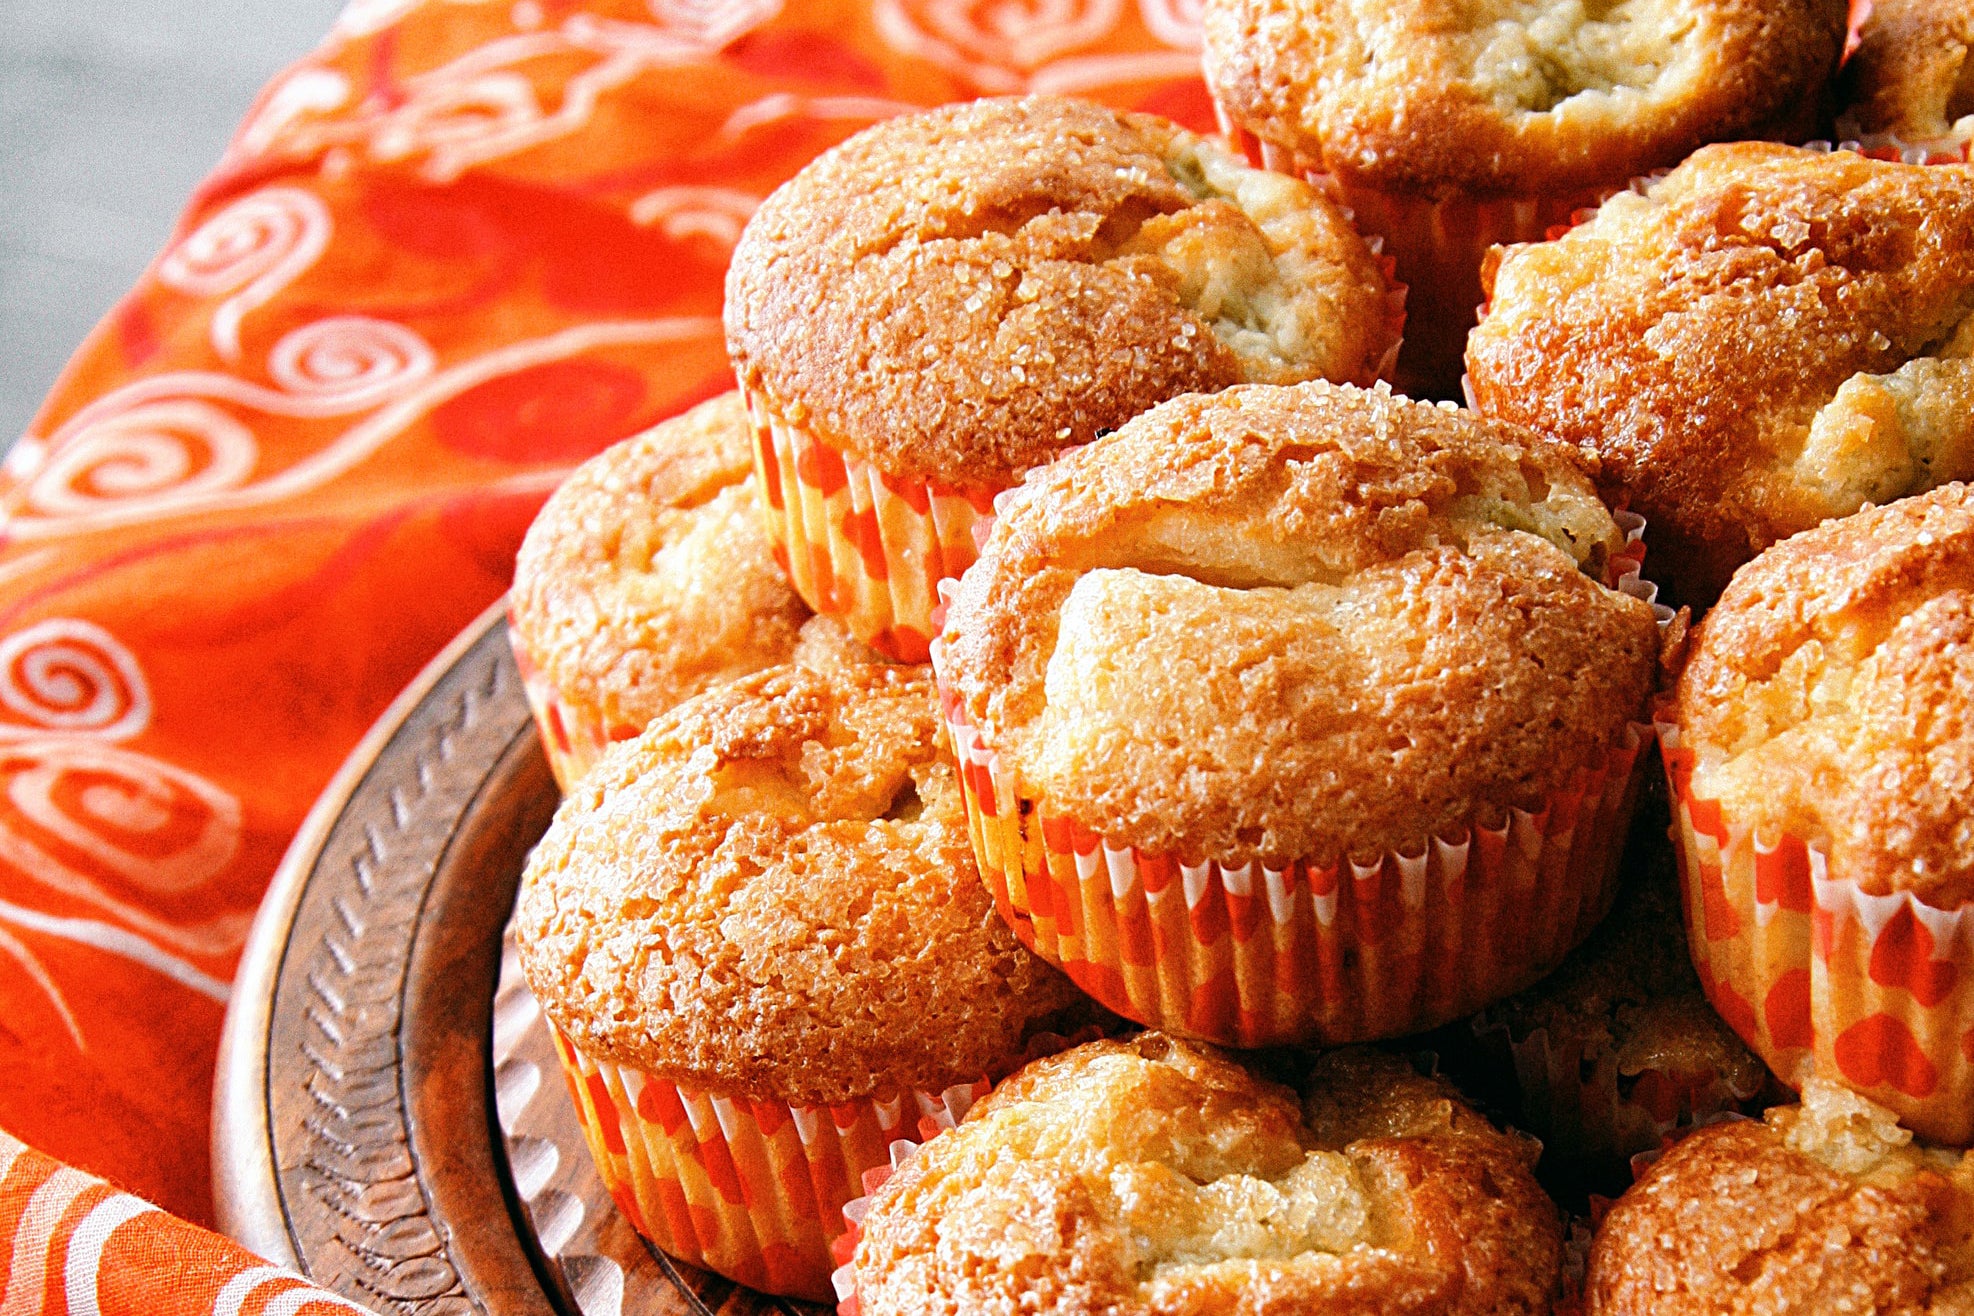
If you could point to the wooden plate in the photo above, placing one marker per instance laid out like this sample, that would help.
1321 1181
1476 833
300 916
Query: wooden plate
389 1116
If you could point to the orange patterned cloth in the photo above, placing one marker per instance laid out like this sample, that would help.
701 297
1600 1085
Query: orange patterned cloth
462 246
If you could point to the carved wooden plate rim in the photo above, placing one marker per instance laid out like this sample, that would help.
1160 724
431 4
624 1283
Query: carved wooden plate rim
376 1121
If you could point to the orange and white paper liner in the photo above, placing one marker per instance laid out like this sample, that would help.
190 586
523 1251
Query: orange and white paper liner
1821 977
1585 1110
858 544
573 739
1257 955
844 1279
1438 246
753 1190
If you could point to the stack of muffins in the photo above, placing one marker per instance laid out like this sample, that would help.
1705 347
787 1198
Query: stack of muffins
1270 710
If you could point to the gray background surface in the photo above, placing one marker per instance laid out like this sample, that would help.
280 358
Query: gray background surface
111 111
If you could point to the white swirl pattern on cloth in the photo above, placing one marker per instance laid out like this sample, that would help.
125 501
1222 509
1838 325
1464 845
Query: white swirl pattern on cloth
258 245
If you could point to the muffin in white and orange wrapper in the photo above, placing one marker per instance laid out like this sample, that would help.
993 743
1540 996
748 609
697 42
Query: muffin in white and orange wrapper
1820 747
1763 338
1300 713
1823 1207
1448 126
950 298
1617 1049
646 578
766 954
1157 1175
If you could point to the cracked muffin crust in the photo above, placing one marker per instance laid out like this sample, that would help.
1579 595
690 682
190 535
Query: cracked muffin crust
1514 96
1828 1206
1911 75
1155 1175
1307 622
962 293
1830 696
1765 338
646 578
770 894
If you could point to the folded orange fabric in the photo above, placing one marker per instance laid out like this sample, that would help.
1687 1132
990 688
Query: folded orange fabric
456 250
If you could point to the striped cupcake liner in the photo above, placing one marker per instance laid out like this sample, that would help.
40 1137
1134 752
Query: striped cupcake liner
572 738
1821 977
1330 953
753 1190
1438 246
859 544
1259 955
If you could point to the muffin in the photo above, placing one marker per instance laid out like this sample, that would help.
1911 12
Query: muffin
1448 127
1618 1048
1154 1175
1824 1207
950 298
766 955
646 578
1910 76
1299 713
1821 752
1762 339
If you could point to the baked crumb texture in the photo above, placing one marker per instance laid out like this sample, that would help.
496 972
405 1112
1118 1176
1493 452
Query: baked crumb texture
1158 1176
646 578
1447 127
1825 1207
950 298
1911 75
766 952
1762 339
1269 678
1821 752
1618 1048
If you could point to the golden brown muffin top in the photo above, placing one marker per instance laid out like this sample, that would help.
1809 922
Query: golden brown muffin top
964 292
648 577
1830 695
1159 1176
1910 74
771 893
1630 991
1514 96
1766 338
1819 1208
1304 622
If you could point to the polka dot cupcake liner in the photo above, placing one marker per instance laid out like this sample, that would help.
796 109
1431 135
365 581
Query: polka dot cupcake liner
573 738
858 544
754 1190
1819 976
1438 247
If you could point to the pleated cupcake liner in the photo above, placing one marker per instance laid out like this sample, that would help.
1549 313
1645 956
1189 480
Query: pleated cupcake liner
573 738
843 1280
859 544
1817 975
1331 953
1258 955
1438 244
753 1190
1585 1109
1954 148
